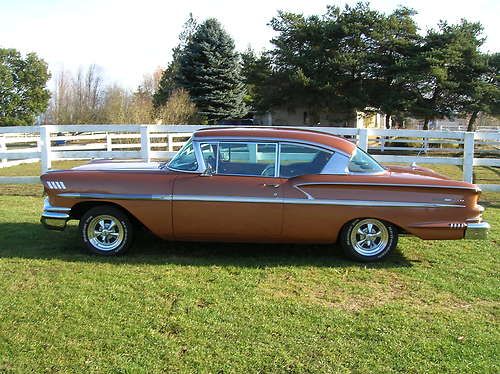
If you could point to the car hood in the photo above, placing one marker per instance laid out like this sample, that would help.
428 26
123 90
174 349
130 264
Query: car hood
106 165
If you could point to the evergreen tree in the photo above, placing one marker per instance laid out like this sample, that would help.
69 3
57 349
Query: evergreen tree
210 71
167 83
447 71
481 85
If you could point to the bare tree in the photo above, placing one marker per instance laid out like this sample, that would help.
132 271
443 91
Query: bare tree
82 98
179 109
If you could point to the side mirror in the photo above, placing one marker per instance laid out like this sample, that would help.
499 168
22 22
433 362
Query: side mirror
208 172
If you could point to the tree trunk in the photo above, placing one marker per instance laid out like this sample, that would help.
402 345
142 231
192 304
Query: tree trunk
387 121
426 123
472 121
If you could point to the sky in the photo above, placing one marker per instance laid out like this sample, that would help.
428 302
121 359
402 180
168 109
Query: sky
127 39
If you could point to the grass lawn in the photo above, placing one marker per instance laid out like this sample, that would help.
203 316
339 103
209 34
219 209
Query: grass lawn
432 306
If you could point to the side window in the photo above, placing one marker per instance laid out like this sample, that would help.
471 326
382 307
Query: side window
247 159
185 159
209 152
362 162
298 160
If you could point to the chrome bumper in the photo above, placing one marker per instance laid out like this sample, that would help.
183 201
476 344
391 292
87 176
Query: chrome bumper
54 218
477 230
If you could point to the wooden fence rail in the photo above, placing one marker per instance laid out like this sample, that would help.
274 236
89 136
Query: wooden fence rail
147 142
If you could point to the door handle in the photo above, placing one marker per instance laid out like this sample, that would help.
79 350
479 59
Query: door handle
273 185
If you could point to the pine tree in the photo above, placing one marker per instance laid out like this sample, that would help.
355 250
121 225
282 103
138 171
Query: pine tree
210 71
167 84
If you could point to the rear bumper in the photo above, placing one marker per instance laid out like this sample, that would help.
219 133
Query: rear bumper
54 218
477 230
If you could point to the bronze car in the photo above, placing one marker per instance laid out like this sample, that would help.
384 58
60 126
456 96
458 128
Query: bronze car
263 185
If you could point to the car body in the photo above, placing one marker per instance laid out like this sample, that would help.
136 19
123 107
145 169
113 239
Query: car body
263 185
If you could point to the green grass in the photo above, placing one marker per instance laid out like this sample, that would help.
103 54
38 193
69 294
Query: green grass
33 168
432 306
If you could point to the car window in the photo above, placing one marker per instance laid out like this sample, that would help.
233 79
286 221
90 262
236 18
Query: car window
185 159
361 162
247 159
301 160
209 153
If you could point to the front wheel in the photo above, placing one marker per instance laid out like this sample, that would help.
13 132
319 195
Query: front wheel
106 230
368 239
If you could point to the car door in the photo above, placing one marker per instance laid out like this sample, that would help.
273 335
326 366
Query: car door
305 216
238 199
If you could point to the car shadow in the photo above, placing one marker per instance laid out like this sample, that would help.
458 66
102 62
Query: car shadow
32 241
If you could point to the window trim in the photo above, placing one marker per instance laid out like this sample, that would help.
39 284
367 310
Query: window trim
196 155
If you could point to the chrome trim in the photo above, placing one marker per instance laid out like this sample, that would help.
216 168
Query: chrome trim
374 203
228 199
54 223
383 185
197 153
477 231
48 207
55 215
56 185
309 201
250 199
111 196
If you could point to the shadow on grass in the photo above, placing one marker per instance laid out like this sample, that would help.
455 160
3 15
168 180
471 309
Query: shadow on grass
32 241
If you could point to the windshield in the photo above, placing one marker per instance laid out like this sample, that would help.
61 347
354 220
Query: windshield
185 159
362 162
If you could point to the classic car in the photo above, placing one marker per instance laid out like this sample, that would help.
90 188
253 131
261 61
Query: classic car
262 185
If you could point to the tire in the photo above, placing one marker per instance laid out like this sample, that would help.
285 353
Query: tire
368 239
115 227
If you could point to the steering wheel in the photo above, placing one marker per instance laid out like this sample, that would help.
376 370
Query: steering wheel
268 171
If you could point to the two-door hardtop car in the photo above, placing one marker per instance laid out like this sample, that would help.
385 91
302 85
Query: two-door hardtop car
263 185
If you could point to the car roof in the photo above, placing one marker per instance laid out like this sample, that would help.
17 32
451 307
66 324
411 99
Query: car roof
307 136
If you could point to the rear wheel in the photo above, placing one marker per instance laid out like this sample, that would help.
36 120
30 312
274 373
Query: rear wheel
368 239
106 230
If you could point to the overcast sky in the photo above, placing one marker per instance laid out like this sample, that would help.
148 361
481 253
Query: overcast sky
129 38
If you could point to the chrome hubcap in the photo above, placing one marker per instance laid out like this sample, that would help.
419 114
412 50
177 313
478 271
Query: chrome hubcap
106 233
369 237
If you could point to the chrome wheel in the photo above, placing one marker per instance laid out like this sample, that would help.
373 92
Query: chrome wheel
105 232
369 237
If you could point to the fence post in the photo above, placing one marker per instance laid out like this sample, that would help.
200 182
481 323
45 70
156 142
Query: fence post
145 143
109 142
3 148
363 139
170 138
468 160
45 145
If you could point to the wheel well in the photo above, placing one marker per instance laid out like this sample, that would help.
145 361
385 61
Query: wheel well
79 209
401 231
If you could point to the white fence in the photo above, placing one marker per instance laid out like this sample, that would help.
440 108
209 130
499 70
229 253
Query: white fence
146 142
